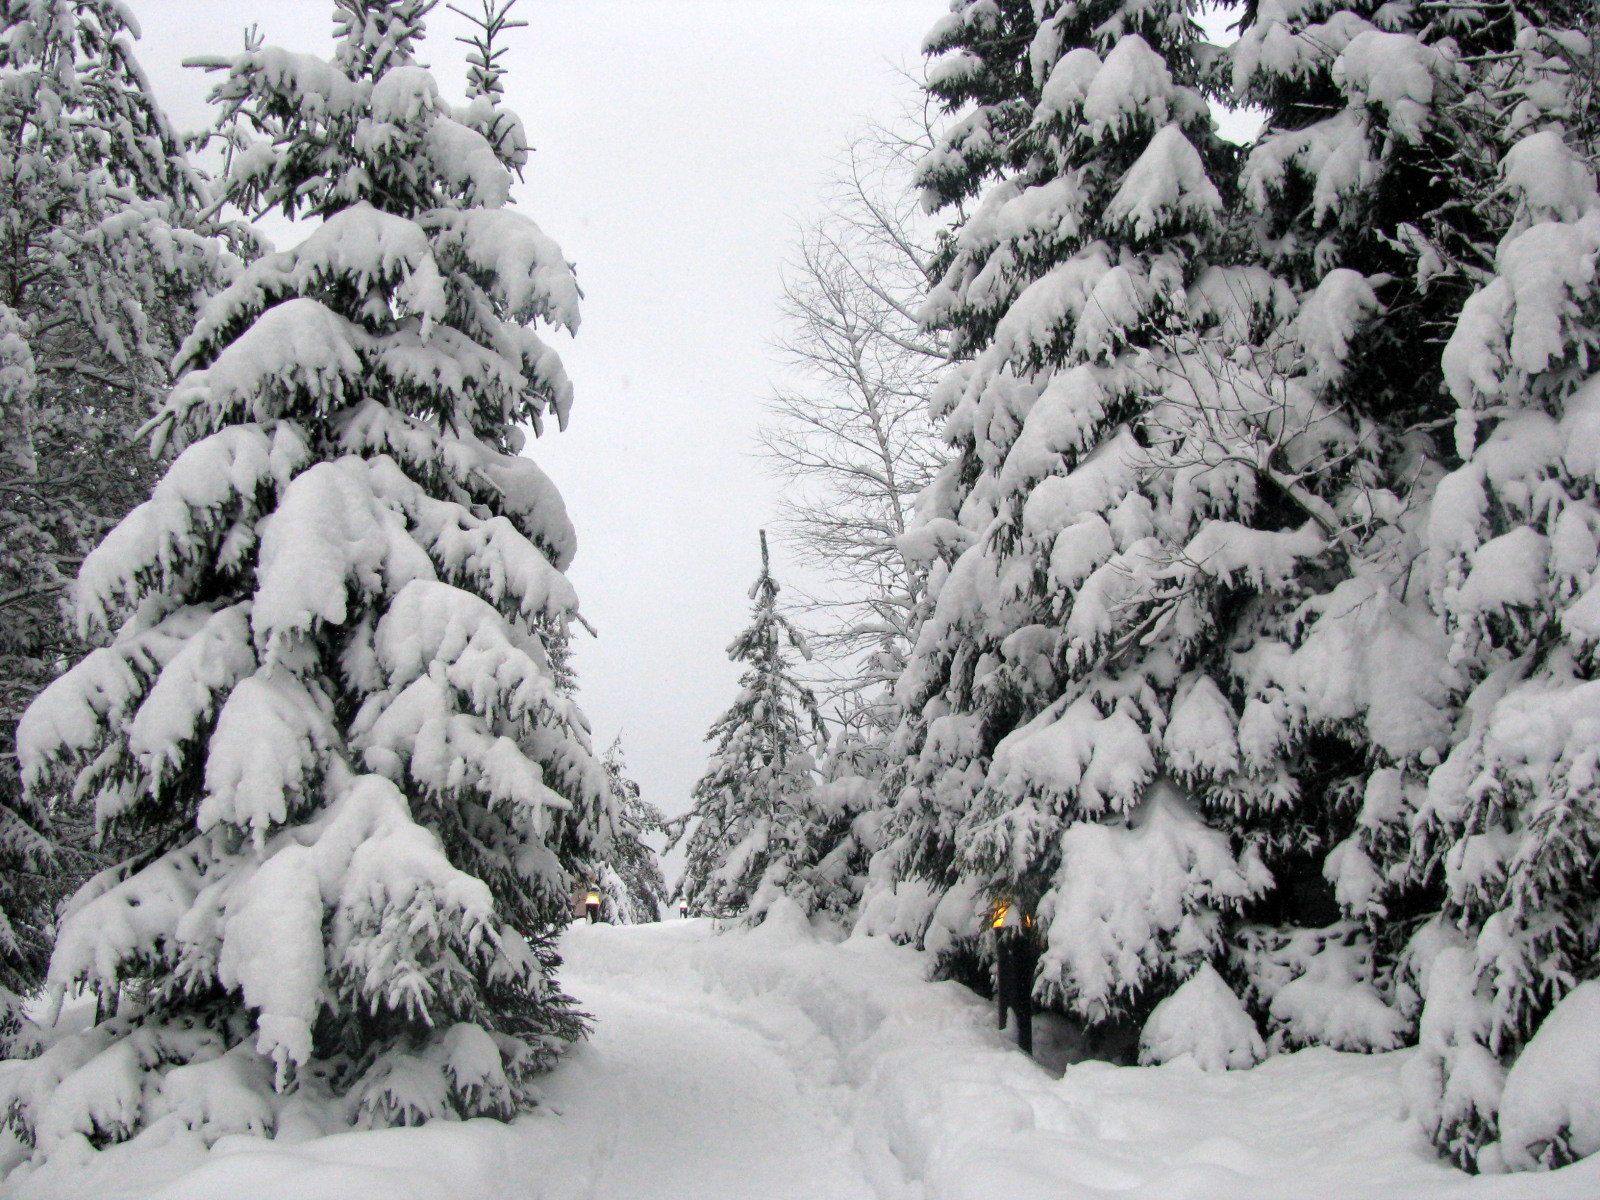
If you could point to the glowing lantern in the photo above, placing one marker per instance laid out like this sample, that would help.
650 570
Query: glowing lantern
1004 919
1015 958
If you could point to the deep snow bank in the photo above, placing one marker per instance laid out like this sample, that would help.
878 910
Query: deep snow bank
944 1109
927 1102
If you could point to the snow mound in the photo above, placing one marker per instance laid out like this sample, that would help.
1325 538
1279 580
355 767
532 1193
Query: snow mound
1204 1020
785 919
1550 1109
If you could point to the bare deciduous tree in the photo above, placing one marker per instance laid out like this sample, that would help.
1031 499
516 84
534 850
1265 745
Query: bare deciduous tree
852 436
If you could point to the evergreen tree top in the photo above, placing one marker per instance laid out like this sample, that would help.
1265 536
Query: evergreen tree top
485 70
374 36
761 642
765 588
71 83
370 126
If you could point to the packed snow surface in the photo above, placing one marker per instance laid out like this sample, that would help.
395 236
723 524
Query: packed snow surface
781 1065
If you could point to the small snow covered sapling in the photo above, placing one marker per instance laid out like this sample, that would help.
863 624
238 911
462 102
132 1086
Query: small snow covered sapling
629 879
326 709
750 806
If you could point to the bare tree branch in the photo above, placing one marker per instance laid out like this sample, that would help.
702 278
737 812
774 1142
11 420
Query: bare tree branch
852 437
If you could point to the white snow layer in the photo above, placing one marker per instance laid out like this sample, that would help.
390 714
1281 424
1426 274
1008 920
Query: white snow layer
1550 1090
775 1065
1204 1020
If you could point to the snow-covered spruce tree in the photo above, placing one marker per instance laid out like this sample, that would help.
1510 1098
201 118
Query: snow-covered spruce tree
100 265
1427 162
1150 494
326 711
1506 828
632 888
749 805
1353 198
1036 734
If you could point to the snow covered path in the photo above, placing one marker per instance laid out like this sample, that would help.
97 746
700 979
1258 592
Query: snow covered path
672 1102
773 1065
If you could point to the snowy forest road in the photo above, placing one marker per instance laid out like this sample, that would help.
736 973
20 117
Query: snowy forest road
776 1065
671 1101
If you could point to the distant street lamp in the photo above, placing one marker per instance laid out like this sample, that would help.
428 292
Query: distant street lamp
591 904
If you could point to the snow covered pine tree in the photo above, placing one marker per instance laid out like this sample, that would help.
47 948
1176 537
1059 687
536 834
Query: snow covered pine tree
632 888
1104 526
749 806
1428 177
100 267
326 710
1347 681
1507 828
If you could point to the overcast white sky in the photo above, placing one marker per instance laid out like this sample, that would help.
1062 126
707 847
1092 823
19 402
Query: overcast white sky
678 142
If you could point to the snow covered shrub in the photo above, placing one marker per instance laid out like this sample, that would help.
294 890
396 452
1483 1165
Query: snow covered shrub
1550 1108
1204 1020
750 806
100 266
1318 987
326 710
1359 196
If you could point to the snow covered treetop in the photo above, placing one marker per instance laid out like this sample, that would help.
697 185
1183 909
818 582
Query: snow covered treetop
370 125
413 193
